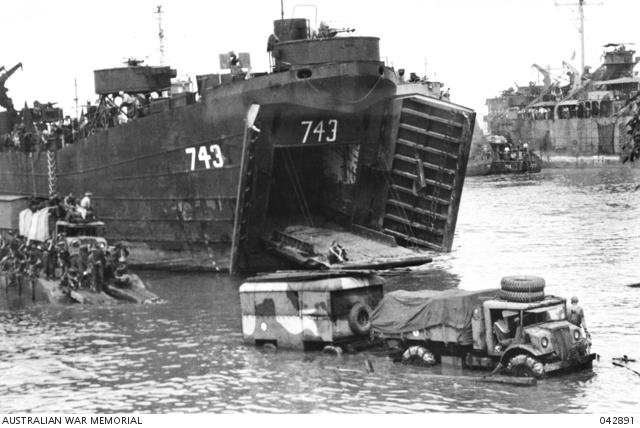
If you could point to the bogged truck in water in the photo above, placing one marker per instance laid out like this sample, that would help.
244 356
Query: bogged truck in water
517 329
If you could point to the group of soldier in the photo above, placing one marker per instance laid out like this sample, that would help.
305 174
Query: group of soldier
88 266
70 208
91 268
18 259
40 136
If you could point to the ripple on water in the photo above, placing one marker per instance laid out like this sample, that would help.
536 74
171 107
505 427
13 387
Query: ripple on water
578 229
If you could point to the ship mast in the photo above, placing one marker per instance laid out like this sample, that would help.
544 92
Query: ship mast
580 4
75 85
581 12
160 33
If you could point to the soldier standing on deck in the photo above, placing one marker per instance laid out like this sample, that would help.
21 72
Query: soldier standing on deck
86 206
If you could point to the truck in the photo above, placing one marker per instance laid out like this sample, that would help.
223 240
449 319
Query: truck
78 239
516 329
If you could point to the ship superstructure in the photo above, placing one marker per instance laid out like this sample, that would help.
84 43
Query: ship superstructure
586 117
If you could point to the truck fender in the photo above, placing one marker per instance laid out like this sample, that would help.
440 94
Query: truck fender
519 348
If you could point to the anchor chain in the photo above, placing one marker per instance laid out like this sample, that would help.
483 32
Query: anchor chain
52 172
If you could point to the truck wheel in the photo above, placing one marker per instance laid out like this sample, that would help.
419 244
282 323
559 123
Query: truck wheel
360 319
523 365
521 296
522 283
418 356
332 350
269 348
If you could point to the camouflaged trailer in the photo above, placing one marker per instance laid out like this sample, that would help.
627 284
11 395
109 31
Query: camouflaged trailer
309 310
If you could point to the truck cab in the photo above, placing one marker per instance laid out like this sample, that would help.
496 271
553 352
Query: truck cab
538 329
76 235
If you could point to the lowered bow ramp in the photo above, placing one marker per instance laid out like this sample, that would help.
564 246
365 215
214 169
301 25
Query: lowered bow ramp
309 246
407 193
426 165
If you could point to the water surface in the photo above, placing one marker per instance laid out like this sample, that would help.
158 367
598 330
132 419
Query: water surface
577 228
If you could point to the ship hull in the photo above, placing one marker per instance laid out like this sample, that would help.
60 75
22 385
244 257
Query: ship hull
197 187
152 182
574 136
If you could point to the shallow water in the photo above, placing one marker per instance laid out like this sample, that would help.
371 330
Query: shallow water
577 228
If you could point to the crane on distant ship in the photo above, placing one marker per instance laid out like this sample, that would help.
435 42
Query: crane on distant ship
5 101
574 73
545 73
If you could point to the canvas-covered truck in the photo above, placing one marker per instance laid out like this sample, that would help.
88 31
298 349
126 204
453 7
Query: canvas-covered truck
517 329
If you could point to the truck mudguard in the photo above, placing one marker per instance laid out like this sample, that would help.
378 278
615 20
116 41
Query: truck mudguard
519 348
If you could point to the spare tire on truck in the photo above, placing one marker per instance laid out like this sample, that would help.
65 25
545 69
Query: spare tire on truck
521 297
360 319
522 283
418 356
522 289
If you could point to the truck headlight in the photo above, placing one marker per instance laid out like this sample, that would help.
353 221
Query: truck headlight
544 342
576 334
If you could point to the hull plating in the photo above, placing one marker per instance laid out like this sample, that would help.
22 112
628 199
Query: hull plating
167 183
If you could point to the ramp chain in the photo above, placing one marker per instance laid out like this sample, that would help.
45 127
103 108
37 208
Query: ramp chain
52 172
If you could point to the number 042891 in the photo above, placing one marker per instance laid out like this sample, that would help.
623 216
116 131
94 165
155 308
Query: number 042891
617 420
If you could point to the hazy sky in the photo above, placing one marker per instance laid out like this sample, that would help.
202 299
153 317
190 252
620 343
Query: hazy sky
478 48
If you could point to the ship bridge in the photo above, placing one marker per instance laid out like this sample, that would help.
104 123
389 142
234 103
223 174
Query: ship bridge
293 45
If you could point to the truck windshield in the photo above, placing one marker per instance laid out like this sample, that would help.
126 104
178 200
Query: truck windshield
81 231
546 314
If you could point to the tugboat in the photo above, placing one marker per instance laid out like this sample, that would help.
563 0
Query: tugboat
322 144
500 157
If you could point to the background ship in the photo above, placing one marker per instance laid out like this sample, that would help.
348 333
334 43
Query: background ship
587 117
322 148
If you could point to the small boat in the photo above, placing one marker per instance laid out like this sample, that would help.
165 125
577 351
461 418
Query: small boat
501 157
